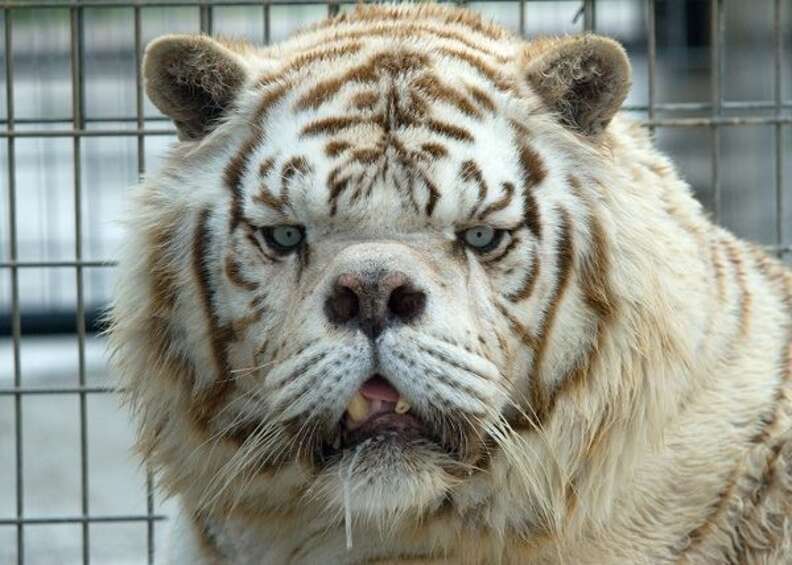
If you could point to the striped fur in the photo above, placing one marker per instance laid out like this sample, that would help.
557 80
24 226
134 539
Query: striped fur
612 383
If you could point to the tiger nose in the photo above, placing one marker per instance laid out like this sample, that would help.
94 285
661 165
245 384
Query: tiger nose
374 301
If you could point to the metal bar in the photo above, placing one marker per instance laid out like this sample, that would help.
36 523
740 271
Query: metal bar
54 321
659 106
81 519
16 319
87 133
50 264
332 8
779 130
78 107
667 122
652 50
589 16
522 18
716 70
266 21
44 390
11 4
207 20
105 119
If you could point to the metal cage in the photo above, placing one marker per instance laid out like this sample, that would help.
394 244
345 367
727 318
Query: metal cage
711 115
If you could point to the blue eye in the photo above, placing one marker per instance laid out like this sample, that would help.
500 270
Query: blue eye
479 237
284 238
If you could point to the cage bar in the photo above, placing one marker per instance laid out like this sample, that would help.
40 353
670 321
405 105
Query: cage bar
16 318
717 31
778 50
78 109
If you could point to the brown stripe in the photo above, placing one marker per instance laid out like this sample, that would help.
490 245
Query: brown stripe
736 259
365 100
499 80
527 286
436 89
325 90
272 96
595 265
598 296
336 186
751 503
366 156
234 274
778 279
718 269
266 167
391 63
436 150
333 125
532 166
294 166
164 278
531 217
434 195
264 196
503 254
207 401
241 325
448 130
469 170
500 203
518 329
594 273
481 98
301 61
233 174
237 167
413 31
564 259
251 237
334 148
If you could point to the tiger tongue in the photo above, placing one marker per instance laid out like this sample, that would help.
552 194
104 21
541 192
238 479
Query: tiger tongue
377 388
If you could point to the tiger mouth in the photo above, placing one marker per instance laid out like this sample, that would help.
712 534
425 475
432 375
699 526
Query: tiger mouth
378 413
378 409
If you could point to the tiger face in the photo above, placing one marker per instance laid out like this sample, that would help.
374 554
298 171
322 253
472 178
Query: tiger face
377 278
364 240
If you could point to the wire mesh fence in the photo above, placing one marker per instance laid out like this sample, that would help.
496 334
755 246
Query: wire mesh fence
76 131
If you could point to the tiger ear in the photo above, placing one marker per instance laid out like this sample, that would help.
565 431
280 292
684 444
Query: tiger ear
584 79
192 79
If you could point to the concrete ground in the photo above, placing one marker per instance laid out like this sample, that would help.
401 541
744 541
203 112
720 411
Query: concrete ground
51 466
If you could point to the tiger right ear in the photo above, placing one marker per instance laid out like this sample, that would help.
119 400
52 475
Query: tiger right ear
583 79
192 79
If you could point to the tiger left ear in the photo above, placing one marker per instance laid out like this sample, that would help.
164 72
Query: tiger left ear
192 79
584 79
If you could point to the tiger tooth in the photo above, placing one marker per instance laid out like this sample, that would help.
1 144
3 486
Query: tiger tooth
357 408
402 407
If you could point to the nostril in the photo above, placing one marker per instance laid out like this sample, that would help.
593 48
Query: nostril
343 305
406 303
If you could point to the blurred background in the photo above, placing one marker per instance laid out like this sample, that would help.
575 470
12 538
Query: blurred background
711 78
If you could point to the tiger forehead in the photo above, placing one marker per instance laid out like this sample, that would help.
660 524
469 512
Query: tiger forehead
407 105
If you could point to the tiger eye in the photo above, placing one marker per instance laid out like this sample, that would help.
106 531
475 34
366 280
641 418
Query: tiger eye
287 236
479 237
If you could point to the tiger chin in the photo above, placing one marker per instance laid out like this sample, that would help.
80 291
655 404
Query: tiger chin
409 289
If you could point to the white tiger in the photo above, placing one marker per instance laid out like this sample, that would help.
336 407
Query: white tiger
409 290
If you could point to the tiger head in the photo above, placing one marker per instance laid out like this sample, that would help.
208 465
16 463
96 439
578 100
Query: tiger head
376 267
